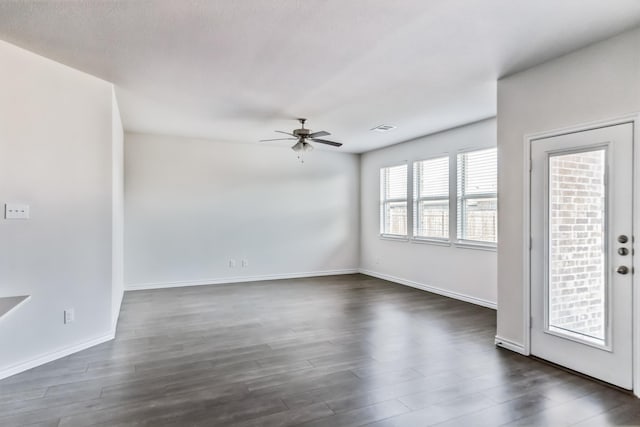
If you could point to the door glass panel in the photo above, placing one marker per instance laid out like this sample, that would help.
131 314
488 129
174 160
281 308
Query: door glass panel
577 279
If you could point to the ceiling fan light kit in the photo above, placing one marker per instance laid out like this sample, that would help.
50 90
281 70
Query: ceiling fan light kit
302 135
302 146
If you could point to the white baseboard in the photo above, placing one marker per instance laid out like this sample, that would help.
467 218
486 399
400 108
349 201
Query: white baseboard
432 289
54 355
238 279
510 345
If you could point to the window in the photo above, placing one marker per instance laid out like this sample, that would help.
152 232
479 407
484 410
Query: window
431 199
393 200
477 196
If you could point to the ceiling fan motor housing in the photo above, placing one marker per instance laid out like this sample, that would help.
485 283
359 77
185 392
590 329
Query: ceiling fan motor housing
301 132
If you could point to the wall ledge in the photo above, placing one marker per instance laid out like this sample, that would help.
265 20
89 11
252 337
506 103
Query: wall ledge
238 279
432 289
8 304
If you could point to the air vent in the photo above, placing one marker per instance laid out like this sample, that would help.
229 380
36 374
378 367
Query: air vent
383 128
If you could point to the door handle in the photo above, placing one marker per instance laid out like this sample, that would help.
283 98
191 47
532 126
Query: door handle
623 269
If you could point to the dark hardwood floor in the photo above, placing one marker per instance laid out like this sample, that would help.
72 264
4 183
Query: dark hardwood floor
329 351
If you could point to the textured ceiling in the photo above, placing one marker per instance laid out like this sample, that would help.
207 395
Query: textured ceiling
235 70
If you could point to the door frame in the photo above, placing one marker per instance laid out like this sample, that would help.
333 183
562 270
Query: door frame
634 119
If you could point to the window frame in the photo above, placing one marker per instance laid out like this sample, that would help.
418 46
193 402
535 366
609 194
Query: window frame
461 196
383 202
416 199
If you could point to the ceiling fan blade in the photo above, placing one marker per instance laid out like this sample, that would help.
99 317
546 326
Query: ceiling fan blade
286 133
317 134
278 139
324 141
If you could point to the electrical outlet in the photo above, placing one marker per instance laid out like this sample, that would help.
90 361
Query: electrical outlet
69 315
245 263
232 263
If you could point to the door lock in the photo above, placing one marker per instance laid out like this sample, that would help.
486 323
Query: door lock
623 251
623 269
623 239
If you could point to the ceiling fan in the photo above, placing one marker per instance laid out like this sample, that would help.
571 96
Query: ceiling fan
302 135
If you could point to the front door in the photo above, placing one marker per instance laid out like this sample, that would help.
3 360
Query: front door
581 249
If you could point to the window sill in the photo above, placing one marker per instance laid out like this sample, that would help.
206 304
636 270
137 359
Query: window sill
394 237
434 242
491 247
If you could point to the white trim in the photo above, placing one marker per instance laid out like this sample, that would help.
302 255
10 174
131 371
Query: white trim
432 289
54 355
510 345
394 237
114 321
237 279
626 118
526 245
469 244
633 118
635 261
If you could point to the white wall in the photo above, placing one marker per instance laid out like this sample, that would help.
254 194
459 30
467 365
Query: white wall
56 156
464 273
117 210
599 82
192 205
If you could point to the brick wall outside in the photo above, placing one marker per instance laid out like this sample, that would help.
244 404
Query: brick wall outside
577 269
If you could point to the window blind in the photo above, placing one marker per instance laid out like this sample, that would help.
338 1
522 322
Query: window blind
431 198
393 200
477 195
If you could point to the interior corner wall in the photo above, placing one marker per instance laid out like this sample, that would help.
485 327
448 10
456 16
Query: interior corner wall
467 274
599 82
195 209
55 156
117 210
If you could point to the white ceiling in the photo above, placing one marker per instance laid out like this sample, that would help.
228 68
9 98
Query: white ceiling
235 70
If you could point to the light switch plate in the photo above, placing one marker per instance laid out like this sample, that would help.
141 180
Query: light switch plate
69 315
16 211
